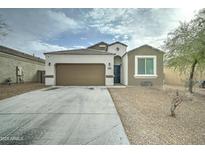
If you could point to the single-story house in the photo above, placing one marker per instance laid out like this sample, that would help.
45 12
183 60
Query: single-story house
18 66
105 64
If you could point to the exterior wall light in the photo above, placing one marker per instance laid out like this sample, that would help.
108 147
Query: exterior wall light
109 66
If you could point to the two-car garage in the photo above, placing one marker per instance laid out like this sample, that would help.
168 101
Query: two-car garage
81 67
80 74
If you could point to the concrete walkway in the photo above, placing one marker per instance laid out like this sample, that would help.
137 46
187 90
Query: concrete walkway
61 115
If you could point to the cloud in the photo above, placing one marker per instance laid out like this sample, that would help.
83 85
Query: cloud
32 28
44 47
83 38
78 47
137 26
41 30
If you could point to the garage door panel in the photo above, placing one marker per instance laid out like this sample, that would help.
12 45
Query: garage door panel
80 74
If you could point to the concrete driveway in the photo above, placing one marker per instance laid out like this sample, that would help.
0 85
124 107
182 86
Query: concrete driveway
61 115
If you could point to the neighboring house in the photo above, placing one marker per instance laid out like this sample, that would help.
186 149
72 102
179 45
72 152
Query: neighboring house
19 66
105 64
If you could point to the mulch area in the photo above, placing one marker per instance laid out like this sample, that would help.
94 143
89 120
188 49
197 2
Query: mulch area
7 91
145 114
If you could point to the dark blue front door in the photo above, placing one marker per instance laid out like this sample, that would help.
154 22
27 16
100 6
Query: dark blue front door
117 73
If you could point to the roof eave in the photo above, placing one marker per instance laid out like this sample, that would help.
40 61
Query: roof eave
17 53
147 46
75 54
118 43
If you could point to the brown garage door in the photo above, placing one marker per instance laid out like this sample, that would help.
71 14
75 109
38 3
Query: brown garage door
80 74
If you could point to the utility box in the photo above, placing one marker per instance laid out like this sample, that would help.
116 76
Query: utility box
41 76
19 71
19 74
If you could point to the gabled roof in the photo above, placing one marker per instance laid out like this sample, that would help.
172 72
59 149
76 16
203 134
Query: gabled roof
99 43
91 50
80 52
146 45
117 43
103 43
10 51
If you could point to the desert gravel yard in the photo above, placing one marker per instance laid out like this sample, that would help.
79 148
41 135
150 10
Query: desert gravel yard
7 91
145 114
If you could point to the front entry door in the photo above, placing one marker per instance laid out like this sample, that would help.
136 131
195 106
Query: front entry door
117 74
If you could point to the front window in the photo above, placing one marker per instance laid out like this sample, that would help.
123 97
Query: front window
145 65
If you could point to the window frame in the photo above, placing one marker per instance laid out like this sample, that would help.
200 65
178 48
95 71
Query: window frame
154 66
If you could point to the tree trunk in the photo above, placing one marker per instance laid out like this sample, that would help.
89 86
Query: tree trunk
172 109
192 76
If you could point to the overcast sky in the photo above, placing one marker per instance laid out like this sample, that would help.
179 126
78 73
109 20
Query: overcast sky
36 31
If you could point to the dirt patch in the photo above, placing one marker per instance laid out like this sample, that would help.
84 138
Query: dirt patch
7 91
145 114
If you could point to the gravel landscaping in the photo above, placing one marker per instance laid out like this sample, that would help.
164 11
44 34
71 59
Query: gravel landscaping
145 114
7 91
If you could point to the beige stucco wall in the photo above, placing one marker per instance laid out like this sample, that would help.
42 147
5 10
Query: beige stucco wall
174 77
156 81
124 67
8 65
122 49
117 60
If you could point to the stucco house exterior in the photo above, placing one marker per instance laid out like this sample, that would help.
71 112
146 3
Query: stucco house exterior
105 64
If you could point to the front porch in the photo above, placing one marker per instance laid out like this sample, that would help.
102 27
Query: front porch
117 85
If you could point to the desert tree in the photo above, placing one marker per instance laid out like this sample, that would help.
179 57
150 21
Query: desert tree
186 47
177 98
176 101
